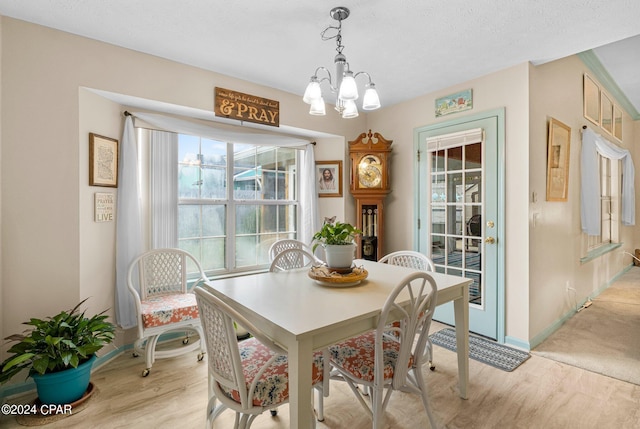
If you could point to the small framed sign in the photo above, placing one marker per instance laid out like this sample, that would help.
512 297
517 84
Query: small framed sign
104 206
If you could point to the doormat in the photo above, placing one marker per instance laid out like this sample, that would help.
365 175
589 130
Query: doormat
483 350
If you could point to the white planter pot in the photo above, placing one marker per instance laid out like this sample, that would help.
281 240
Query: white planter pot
339 256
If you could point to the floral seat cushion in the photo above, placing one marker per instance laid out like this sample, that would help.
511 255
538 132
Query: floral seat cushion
167 309
357 356
273 385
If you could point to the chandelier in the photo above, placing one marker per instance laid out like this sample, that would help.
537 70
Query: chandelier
344 86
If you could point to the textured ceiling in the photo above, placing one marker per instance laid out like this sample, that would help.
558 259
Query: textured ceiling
409 47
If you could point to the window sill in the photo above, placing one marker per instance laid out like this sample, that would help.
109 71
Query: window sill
596 253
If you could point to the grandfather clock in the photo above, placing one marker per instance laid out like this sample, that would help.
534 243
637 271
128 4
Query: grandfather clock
370 180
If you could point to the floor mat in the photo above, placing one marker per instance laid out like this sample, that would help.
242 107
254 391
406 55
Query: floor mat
483 350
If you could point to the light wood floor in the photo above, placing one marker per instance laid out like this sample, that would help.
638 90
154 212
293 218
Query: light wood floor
541 393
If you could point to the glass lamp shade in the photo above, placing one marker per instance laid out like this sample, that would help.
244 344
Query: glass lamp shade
313 91
348 88
350 110
371 101
317 107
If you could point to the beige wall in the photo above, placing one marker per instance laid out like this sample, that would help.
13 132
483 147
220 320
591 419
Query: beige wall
556 243
54 254
508 89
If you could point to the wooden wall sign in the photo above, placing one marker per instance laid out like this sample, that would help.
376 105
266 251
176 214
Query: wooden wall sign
246 107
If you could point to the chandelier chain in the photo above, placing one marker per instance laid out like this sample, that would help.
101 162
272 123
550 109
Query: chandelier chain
337 36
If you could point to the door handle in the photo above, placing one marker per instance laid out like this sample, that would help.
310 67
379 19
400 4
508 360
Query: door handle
490 240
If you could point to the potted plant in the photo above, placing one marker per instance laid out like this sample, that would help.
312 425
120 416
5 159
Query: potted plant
337 238
58 352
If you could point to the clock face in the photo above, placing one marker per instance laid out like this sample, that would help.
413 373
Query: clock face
370 172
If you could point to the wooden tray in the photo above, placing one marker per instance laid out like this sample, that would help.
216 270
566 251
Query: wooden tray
325 276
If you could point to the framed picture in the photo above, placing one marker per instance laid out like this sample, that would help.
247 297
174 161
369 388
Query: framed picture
454 103
591 100
103 161
606 117
329 178
617 122
558 161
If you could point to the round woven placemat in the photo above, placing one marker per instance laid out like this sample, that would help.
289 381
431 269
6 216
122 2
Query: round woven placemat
327 275
76 407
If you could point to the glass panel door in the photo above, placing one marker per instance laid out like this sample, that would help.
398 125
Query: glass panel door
456 214
458 207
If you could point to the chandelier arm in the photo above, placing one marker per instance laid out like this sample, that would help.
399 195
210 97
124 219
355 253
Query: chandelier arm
328 79
364 73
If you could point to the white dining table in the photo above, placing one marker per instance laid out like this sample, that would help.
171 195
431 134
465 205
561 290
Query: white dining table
303 316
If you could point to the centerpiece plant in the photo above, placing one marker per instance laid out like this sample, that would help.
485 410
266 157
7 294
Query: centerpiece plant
338 241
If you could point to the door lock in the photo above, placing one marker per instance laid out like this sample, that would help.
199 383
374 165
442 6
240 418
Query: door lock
490 240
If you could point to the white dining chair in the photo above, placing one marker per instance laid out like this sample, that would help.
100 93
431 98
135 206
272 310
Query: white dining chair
250 376
286 244
390 357
417 261
292 258
157 280
409 259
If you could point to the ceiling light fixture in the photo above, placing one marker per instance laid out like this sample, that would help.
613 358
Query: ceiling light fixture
345 87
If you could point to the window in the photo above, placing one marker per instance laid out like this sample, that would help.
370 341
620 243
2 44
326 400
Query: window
609 197
234 201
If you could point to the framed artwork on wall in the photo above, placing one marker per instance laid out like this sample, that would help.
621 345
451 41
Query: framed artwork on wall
103 161
606 117
329 178
591 101
454 103
617 122
558 161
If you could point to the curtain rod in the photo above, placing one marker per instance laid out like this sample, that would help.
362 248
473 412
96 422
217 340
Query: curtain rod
127 113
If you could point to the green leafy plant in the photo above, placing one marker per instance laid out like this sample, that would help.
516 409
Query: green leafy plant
336 233
57 343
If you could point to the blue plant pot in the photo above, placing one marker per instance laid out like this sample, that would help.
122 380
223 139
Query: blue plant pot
66 386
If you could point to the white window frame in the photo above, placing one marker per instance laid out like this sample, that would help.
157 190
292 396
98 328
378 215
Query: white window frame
610 197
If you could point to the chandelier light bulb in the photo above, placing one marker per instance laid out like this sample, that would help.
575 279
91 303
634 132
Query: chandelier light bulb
313 91
350 110
371 100
348 88
317 107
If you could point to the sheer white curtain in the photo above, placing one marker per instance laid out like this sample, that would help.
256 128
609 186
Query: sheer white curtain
128 223
164 185
592 145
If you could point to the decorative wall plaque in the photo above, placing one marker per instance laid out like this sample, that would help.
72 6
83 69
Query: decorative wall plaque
246 107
